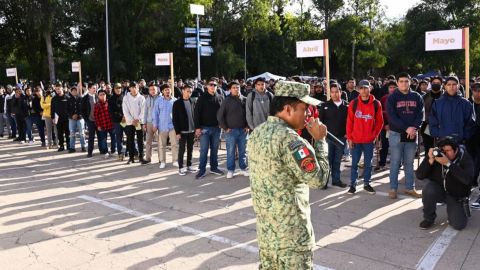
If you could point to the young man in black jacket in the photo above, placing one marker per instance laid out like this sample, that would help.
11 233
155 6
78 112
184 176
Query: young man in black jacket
20 112
88 103
450 170
333 114
116 112
232 119
182 118
75 119
206 127
60 115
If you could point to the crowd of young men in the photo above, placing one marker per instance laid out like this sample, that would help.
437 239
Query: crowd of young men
388 115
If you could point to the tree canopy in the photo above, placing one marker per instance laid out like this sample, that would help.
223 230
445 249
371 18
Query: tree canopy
42 37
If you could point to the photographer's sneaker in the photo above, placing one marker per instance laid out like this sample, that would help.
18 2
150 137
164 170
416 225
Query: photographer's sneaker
476 204
229 175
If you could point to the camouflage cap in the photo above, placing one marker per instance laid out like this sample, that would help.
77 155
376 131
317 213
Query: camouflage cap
297 90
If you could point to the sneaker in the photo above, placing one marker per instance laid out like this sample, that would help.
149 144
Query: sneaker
476 204
369 189
339 184
352 190
175 164
244 172
413 193
71 150
144 162
182 171
107 155
190 169
200 175
229 175
392 194
217 171
31 142
425 224
162 165
61 149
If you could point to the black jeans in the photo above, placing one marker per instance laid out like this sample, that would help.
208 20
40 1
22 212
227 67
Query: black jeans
185 138
63 129
384 150
432 194
131 131
92 129
427 142
21 127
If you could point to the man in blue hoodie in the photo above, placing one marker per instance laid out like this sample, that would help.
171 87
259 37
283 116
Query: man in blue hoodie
405 115
452 115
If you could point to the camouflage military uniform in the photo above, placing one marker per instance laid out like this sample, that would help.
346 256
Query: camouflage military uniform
282 167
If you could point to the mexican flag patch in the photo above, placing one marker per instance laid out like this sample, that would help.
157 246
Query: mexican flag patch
301 153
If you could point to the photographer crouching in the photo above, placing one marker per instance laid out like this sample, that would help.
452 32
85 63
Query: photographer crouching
450 171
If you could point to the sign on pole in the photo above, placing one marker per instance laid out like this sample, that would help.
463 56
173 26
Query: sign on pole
444 40
197 9
162 59
77 67
457 39
12 72
316 48
312 48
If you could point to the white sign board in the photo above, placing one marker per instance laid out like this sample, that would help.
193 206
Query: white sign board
444 40
75 66
162 59
11 72
197 9
311 48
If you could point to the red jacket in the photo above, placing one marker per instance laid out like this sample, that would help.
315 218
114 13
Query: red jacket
362 125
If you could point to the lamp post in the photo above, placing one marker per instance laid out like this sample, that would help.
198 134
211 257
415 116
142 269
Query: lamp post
198 10
107 41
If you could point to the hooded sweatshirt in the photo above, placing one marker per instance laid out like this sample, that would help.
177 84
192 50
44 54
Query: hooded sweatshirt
363 125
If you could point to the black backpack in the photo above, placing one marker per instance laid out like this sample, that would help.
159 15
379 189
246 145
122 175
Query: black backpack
375 106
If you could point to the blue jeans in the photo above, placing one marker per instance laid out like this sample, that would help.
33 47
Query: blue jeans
210 139
118 130
74 126
401 151
113 140
335 154
236 138
367 150
102 141
13 125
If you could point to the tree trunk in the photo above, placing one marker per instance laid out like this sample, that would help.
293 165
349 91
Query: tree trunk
51 64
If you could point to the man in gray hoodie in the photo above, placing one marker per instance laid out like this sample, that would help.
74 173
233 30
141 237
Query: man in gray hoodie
148 120
258 104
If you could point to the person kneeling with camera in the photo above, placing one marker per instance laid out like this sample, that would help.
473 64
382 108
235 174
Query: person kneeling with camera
450 171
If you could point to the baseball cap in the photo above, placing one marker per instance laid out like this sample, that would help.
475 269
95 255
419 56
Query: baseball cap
364 83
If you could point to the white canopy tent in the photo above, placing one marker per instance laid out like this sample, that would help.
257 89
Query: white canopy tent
268 76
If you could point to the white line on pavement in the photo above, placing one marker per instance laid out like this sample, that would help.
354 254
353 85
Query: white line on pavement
436 250
181 228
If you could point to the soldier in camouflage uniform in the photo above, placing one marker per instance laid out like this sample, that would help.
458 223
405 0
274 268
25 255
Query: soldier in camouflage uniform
282 168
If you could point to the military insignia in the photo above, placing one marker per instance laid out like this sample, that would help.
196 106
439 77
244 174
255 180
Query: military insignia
295 144
308 164
305 159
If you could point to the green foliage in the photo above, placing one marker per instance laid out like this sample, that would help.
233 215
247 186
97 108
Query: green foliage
140 28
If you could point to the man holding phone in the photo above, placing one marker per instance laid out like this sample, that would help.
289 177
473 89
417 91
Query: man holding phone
405 115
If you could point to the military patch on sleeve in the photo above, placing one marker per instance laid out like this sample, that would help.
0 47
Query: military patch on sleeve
305 159
295 144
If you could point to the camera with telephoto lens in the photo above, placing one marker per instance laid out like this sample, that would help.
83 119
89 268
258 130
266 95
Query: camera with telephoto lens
437 152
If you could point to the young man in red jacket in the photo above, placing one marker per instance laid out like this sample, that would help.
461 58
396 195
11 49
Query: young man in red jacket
364 123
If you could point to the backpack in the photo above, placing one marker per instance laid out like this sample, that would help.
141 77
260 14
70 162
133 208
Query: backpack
375 106
269 95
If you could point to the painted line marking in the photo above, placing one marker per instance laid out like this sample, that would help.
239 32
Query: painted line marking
181 228
436 250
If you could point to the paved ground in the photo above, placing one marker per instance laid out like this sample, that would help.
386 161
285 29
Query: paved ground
64 211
